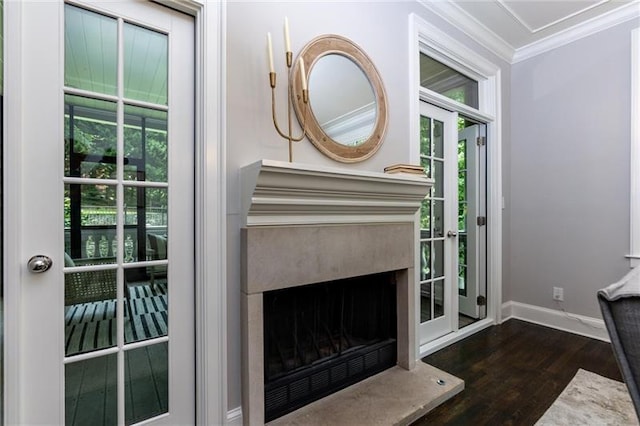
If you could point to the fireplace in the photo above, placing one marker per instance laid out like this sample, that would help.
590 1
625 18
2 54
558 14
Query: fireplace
315 241
323 337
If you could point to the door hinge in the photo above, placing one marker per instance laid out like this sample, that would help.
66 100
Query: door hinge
481 141
482 220
481 300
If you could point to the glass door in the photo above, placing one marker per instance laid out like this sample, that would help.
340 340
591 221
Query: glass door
471 221
108 184
438 224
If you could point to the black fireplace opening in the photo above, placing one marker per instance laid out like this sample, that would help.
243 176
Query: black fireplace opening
323 337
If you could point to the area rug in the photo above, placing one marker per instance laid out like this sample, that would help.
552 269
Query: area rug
590 399
92 326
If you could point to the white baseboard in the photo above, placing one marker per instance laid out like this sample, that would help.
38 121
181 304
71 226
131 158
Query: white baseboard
234 417
573 323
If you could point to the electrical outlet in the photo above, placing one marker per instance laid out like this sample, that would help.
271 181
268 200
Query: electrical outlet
558 294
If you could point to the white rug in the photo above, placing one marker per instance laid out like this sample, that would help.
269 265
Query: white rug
590 399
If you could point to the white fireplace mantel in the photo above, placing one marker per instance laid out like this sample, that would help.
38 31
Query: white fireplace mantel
305 224
281 193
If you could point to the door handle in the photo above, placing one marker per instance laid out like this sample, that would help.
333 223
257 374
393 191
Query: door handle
452 234
39 263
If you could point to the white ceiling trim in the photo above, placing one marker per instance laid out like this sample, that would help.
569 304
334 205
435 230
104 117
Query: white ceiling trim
471 27
466 23
524 23
584 29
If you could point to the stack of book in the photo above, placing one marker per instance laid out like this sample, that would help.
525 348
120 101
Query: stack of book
409 169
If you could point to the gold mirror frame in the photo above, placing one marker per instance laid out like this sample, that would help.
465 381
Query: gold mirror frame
311 53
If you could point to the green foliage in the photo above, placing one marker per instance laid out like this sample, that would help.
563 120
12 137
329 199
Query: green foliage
95 140
425 136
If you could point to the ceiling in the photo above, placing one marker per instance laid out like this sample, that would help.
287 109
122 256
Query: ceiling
513 26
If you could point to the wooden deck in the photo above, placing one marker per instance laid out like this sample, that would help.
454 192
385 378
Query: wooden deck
91 391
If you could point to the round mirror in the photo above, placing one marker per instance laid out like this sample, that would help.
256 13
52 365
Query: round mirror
347 112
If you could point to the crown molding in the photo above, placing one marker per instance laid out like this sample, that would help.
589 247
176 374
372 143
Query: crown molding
495 44
585 29
471 27
533 30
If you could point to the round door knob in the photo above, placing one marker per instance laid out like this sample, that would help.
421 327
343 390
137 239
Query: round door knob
452 234
39 263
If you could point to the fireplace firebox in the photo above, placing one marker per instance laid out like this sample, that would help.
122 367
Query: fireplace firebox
323 337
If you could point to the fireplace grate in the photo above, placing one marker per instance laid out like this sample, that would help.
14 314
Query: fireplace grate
318 380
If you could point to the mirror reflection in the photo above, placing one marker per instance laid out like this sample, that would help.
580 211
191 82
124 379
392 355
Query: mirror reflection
342 100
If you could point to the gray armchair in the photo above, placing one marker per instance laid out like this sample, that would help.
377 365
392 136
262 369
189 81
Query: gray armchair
620 305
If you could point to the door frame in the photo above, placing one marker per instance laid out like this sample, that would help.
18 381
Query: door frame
427 38
210 209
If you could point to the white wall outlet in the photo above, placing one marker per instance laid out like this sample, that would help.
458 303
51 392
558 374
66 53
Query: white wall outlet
558 294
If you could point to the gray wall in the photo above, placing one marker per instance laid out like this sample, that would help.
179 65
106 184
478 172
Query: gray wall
569 189
379 28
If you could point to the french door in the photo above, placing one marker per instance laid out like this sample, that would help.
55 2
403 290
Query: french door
452 242
438 224
106 223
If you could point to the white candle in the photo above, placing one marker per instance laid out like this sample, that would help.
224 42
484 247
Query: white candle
287 41
303 74
270 52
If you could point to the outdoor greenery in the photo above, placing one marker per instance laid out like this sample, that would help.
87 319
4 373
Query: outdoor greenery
431 210
94 144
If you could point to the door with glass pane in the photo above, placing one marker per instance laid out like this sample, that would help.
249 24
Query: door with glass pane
468 208
108 182
438 224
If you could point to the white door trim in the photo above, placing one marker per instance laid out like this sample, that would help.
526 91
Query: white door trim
425 36
211 391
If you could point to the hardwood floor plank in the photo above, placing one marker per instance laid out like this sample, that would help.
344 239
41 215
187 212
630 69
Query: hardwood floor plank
513 372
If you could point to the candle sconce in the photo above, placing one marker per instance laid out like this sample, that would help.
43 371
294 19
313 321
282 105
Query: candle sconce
305 99
305 93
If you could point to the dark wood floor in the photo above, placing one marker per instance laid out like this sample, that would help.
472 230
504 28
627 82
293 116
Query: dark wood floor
513 372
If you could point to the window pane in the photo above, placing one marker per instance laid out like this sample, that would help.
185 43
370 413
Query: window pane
145 213
146 385
425 260
145 144
145 65
89 138
442 79
438 218
425 136
425 218
438 184
425 302
438 298
91 391
90 217
90 51
89 310
438 139
438 258
147 310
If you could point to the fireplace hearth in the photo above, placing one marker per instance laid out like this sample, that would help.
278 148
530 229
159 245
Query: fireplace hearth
323 337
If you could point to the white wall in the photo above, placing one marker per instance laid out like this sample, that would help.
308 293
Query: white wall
379 28
569 189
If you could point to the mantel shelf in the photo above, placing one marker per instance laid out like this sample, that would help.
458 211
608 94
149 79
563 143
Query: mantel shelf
281 193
